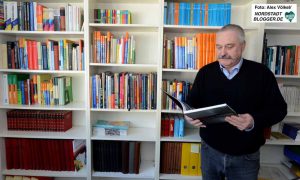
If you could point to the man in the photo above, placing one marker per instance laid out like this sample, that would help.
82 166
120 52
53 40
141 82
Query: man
231 150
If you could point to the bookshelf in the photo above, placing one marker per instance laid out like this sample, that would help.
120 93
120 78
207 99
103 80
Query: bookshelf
148 30
281 34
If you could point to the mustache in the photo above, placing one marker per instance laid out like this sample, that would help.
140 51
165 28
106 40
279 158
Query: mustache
224 57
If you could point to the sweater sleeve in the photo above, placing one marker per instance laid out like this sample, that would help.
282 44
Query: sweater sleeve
274 107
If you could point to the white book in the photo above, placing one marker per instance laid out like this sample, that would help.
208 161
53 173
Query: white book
4 82
207 115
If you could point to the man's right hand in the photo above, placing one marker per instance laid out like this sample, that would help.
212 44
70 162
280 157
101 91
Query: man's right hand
194 122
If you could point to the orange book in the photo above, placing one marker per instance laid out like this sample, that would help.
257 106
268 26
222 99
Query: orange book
206 15
108 60
297 59
39 17
95 46
176 13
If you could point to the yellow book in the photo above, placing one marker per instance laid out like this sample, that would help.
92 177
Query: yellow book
194 159
199 167
185 158
9 178
26 178
18 178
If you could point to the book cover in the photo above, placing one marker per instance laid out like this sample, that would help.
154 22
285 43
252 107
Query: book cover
122 125
207 115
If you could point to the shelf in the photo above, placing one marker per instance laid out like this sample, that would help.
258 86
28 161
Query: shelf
71 72
196 29
146 171
293 114
171 111
133 134
125 110
76 132
273 168
127 67
191 135
282 142
16 172
42 33
282 30
288 76
72 107
179 176
180 70
125 27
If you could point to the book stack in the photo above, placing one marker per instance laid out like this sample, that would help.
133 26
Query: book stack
197 14
110 128
292 130
172 125
49 54
112 16
45 154
33 16
32 120
181 158
42 89
117 156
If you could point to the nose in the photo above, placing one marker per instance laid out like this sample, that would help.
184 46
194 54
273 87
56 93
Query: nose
222 52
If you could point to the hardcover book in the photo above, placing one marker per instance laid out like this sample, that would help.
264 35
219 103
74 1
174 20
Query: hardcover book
207 115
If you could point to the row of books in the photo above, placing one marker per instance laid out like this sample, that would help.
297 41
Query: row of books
40 89
110 49
172 125
189 53
110 128
180 158
117 156
197 14
291 95
292 130
33 16
27 178
123 90
178 89
37 55
45 154
283 60
112 16
37 120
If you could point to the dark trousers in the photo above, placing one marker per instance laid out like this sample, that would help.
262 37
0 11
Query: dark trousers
218 166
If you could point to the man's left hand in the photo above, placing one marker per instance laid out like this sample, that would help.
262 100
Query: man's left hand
242 121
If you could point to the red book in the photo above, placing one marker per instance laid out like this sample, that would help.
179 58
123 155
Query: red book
29 54
56 55
34 55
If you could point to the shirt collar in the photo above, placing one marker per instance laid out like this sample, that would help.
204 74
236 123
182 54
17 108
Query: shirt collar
236 67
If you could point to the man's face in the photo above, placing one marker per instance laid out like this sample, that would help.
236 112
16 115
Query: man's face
229 48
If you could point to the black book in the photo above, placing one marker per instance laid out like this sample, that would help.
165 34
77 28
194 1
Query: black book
207 115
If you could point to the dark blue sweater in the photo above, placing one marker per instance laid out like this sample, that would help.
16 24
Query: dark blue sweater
253 90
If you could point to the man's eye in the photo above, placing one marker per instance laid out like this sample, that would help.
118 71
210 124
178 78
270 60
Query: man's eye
229 46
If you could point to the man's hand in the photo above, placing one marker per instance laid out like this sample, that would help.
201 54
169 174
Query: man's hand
242 121
194 122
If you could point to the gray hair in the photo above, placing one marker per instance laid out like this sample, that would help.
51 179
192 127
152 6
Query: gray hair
236 28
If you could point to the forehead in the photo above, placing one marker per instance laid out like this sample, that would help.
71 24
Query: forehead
227 37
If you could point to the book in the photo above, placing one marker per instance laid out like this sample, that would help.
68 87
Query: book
112 128
207 115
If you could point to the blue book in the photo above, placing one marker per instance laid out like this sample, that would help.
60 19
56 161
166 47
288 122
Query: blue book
181 127
165 12
176 126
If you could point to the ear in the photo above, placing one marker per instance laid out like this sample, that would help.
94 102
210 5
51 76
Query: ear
243 45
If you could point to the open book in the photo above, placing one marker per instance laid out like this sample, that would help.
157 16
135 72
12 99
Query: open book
207 115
